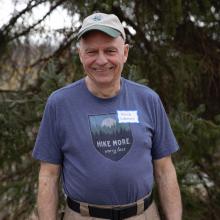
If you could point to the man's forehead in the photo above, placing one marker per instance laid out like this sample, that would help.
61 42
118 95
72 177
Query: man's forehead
98 46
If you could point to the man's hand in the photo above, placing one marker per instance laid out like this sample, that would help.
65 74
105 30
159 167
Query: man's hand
169 193
47 200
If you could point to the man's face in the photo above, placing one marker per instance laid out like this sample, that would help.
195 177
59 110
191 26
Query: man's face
103 57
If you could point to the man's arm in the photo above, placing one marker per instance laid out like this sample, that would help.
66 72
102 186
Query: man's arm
168 188
47 200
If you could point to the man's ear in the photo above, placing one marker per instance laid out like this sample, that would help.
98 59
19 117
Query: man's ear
80 53
126 50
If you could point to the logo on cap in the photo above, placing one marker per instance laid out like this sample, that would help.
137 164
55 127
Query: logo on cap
97 18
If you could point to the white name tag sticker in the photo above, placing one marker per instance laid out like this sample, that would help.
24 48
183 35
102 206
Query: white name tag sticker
127 117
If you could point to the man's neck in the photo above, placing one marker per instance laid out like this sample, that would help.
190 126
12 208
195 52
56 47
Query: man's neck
103 91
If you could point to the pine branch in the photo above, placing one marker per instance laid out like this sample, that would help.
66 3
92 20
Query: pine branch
57 52
25 32
14 19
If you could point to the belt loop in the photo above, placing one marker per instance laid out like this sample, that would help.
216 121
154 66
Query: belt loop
140 207
84 209
140 203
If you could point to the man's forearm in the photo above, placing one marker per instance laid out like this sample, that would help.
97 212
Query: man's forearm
47 200
169 193
170 199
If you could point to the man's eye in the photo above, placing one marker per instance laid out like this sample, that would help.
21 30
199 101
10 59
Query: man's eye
111 51
90 52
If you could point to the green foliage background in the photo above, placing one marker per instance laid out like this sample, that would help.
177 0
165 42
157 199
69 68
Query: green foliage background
175 51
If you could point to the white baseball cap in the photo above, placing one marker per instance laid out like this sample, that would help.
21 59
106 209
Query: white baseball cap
107 23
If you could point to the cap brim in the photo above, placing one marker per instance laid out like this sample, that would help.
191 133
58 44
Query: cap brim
107 30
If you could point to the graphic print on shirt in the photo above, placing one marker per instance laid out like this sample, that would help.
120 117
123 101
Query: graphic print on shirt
111 138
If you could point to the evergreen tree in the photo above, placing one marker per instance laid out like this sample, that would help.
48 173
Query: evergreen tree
174 48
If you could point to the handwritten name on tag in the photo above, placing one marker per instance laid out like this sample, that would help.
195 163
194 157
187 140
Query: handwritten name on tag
127 116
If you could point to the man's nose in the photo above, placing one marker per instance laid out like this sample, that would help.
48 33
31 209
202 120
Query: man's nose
101 59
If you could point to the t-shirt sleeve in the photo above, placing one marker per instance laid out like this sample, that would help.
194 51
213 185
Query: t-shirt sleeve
46 146
164 141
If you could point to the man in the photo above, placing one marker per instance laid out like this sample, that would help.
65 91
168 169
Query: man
107 138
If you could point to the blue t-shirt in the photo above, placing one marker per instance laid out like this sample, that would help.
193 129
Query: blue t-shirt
105 146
